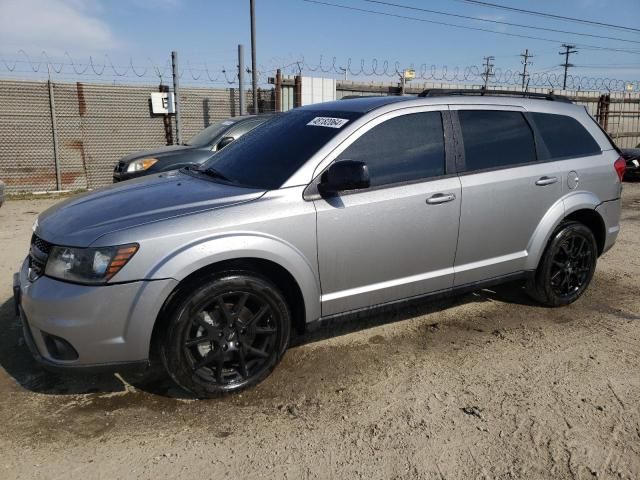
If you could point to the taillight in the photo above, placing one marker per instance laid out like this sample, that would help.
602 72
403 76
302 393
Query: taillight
620 165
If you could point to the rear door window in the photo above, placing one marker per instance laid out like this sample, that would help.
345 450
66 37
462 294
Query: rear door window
564 136
402 149
496 139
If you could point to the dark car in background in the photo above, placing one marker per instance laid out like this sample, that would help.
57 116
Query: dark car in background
632 157
194 152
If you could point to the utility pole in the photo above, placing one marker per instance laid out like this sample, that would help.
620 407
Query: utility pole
488 70
176 90
568 49
525 63
254 71
241 77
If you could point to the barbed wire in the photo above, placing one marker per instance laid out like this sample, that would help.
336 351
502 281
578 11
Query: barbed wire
468 74
202 72
44 63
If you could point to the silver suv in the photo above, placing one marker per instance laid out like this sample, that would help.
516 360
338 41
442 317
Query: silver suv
324 211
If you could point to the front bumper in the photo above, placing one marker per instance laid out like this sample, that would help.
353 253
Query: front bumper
122 176
107 325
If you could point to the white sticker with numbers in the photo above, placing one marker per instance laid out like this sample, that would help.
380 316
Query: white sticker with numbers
329 122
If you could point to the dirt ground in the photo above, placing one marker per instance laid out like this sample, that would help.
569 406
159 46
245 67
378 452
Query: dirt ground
488 385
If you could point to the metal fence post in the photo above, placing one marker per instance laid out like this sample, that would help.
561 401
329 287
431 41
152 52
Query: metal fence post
176 90
278 91
241 77
54 130
297 97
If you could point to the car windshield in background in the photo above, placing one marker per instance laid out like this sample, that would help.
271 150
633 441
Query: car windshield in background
206 136
268 155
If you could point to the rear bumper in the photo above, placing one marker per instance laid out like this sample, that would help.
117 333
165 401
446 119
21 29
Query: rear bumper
108 326
610 213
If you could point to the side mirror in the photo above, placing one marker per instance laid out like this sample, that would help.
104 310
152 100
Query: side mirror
224 142
344 175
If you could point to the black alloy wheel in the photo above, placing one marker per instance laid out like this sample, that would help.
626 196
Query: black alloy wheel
571 266
226 335
567 266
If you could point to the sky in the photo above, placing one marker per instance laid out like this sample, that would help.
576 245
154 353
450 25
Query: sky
206 33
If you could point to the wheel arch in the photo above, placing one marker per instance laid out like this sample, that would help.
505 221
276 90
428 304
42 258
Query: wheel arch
592 220
268 269
580 207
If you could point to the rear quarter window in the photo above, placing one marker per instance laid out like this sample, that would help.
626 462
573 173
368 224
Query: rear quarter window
564 136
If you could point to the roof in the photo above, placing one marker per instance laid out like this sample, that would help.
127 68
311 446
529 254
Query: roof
241 118
367 104
360 105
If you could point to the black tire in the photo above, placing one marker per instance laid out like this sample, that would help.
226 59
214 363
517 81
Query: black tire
226 333
566 267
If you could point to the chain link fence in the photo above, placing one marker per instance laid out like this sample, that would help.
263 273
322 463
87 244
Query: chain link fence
95 125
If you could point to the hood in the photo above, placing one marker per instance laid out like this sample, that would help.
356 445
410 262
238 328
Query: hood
630 153
158 152
81 220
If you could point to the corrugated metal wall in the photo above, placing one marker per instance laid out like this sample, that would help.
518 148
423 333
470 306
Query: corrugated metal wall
96 125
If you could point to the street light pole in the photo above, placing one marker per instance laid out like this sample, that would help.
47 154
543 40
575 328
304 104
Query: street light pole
254 71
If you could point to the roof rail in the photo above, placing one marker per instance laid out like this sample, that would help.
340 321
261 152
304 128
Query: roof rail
440 92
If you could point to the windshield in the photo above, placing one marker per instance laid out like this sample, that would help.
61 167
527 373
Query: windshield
269 154
207 136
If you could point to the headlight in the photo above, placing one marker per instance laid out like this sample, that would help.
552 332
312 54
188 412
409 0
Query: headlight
88 265
141 164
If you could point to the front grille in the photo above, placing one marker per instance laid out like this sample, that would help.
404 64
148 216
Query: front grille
36 268
119 167
40 244
38 255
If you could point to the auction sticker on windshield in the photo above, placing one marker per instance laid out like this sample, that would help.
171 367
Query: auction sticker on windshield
328 122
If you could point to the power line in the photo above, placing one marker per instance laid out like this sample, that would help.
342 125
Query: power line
406 17
500 22
610 65
549 15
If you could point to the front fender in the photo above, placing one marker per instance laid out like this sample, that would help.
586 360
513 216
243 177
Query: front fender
580 200
235 245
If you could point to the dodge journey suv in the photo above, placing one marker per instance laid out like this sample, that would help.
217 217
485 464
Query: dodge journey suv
324 211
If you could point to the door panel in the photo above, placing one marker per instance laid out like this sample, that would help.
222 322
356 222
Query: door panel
499 213
387 244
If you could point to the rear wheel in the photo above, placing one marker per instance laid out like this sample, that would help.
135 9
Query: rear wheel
567 266
226 334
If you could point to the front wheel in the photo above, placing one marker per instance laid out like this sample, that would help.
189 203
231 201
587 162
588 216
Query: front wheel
226 334
567 266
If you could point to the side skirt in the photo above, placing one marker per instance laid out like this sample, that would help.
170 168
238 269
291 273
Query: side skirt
357 314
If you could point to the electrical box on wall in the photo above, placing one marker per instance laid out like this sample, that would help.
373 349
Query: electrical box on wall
163 103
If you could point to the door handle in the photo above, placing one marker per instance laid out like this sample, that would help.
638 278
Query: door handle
542 181
441 198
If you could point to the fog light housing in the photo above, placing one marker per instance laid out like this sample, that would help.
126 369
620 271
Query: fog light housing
59 348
